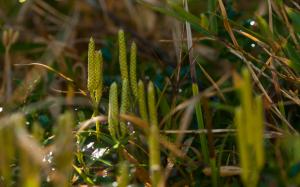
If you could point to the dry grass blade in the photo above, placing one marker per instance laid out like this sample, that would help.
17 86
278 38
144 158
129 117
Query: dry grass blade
253 38
214 84
136 121
33 76
225 171
48 68
227 25
87 123
141 173
184 123
163 140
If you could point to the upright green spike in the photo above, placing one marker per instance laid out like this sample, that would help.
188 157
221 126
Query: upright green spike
142 101
91 83
123 178
64 147
151 104
133 80
154 156
250 132
113 111
124 105
99 75
122 56
259 132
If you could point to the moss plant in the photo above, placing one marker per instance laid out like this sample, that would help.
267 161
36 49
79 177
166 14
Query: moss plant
113 111
154 148
91 81
122 56
123 175
133 79
250 130
152 105
142 101
95 79
124 105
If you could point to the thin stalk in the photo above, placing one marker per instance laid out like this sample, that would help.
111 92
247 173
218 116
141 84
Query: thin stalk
214 171
203 140
195 89
96 113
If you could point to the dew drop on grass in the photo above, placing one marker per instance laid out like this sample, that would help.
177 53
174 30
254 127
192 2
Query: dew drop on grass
97 153
253 45
115 184
105 173
88 146
48 179
252 23
48 158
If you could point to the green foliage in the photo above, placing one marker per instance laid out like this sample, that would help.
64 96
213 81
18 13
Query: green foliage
142 101
152 105
124 105
133 79
154 156
175 122
123 177
250 132
123 56
92 77
113 111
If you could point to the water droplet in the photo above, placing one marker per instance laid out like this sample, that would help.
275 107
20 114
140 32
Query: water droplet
253 45
105 173
133 170
88 146
48 179
115 184
252 23
48 157
97 153
1 109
